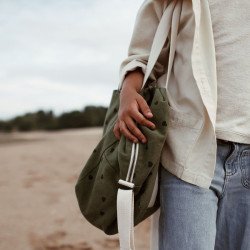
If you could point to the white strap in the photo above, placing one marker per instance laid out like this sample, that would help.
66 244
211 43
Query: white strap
174 33
125 204
159 39
125 198
125 217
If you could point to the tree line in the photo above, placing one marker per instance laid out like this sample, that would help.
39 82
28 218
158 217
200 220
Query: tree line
90 116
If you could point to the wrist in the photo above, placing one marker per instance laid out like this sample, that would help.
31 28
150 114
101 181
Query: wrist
134 79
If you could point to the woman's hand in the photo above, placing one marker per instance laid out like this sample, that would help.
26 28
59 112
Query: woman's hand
133 108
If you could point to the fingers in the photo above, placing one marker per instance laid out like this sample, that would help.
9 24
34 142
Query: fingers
130 130
141 119
116 131
120 127
135 130
128 115
126 132
144 107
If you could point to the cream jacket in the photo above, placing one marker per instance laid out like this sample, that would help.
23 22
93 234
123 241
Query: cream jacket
190 148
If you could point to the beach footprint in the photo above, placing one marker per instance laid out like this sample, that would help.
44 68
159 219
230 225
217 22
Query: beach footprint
33 179
54 241
109 243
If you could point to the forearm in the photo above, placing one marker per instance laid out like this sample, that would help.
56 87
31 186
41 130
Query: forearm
134 79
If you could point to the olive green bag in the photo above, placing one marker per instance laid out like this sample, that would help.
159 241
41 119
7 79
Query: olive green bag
97 186
118 186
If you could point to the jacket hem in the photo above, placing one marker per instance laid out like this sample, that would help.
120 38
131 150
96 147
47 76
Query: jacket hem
233 136
187 175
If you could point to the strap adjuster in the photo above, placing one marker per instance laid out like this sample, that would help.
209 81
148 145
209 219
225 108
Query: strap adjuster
125 184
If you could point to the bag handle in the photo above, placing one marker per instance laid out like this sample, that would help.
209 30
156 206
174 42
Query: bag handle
125 197
161 35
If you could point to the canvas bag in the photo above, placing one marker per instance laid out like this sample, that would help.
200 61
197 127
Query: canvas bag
118 186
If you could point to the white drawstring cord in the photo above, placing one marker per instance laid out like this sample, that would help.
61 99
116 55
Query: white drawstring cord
135 160
131 161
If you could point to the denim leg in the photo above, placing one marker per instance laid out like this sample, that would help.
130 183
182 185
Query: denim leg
233 218
188 215
189 212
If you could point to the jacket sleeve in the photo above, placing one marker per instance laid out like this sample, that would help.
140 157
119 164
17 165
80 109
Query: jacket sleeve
146 23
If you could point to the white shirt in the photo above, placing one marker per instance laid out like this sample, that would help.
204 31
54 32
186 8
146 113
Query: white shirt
230 20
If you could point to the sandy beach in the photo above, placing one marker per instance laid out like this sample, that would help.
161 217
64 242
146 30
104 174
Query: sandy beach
38 208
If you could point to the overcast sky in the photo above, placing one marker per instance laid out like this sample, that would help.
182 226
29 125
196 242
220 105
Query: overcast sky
61 54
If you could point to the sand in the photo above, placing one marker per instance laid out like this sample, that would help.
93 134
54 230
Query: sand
38 208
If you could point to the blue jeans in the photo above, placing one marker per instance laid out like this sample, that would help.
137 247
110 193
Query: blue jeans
196 218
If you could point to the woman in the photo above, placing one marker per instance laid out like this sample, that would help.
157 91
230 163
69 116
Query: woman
205 164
